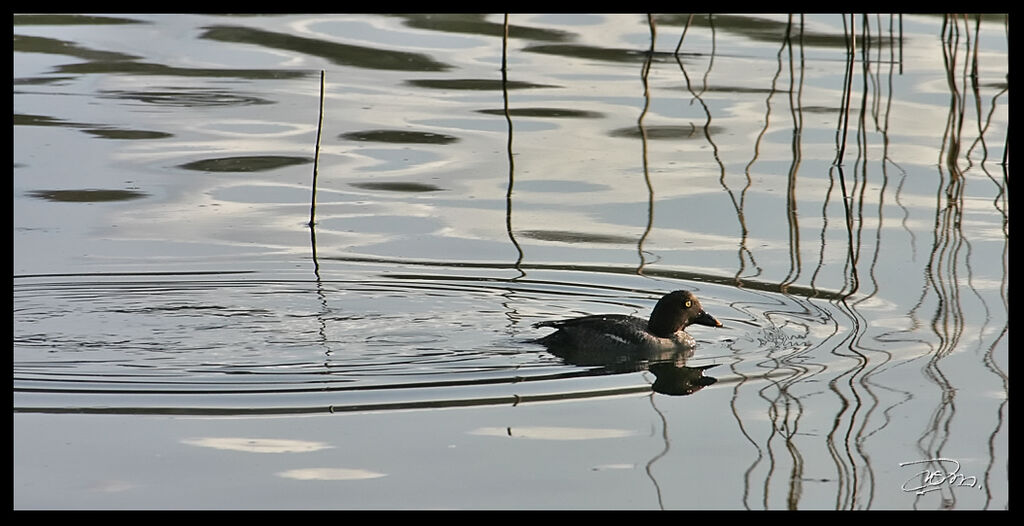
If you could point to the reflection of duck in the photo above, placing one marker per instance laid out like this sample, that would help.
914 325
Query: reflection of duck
678 380
617 333
672 376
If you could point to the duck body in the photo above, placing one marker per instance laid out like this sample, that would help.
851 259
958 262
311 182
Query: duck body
610 332
620 333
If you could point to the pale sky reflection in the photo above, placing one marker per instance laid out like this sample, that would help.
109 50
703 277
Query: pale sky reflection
330 474
257 445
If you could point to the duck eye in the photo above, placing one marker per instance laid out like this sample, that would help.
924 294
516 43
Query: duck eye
688 304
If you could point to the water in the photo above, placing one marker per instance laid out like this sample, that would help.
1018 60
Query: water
182 338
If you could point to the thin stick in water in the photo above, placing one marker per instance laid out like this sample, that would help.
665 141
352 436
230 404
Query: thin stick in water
316 154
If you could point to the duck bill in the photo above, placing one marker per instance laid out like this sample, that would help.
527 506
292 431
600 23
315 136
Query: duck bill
706 319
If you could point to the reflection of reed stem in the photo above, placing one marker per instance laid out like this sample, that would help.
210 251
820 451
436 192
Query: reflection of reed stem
791 194
841 133
682 36
504 47
316 152
508 148
901 44
844 117
644 72
316 165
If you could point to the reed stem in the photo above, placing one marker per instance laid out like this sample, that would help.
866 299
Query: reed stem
316 154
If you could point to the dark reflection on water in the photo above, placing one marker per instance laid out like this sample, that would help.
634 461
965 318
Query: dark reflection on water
765 30
21 119
188 97
565 236
129 134
556 113
678 380
87 196
245 163
399 136
474 84
667 132
30 44
397 186
344 54
476 24
71 20
98 130
36 81
669 274
672 374
129 67
591 52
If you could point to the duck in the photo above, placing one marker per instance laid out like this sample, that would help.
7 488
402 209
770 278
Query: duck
665 331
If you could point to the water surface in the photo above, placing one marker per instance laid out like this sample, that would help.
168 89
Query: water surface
184 339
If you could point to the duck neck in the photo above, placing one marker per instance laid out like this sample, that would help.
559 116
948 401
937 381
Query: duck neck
661 327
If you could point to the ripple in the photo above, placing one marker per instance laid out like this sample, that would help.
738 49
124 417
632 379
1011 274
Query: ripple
211 344
187 97
225 337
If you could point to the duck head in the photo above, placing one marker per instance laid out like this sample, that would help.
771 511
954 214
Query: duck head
677 310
